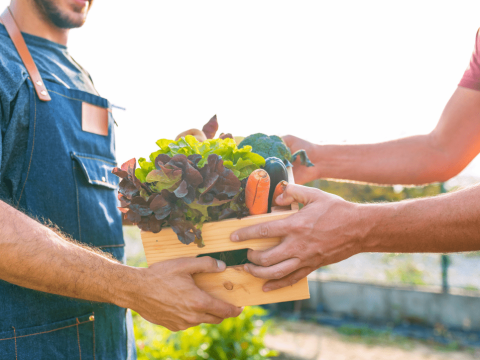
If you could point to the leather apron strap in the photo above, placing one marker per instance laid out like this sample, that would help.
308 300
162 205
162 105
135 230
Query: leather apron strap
19 42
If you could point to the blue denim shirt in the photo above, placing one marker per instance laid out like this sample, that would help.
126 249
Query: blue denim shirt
55 64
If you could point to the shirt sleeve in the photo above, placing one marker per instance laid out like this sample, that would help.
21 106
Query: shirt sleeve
471 78
13 141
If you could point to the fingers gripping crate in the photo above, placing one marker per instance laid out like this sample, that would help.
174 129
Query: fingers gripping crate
234 285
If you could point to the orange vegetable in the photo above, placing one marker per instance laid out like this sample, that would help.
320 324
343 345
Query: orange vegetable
279 190
256 192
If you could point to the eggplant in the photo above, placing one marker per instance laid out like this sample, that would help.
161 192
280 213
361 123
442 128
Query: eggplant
278 172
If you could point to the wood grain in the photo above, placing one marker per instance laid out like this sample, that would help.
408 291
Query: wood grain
239 288
216 235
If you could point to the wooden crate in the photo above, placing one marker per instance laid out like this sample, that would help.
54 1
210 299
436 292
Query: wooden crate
234 285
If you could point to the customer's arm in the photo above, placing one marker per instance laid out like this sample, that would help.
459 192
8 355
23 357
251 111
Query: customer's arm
420 159
329 229
35 257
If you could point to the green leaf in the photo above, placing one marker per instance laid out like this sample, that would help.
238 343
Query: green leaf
162 180
191 140
164 143
224 152
245 168
255 158
145 168
154 155
141 175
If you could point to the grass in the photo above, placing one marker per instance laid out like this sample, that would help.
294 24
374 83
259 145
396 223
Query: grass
364 334
406 273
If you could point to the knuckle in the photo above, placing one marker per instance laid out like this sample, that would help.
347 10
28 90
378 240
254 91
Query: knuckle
264 230
209 260
198 305
175 328
183 327
300 247
171 328
278 274
228 313
264 260
192 319
293 281
303 226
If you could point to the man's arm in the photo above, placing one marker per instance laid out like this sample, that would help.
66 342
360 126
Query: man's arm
35 257
329 229
420 159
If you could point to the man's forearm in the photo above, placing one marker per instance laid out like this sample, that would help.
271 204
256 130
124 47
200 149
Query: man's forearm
411 160
447 223
35 257
421 159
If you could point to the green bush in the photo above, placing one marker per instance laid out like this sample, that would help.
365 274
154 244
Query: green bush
238 338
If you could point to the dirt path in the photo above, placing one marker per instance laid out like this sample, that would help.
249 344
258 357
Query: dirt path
302 341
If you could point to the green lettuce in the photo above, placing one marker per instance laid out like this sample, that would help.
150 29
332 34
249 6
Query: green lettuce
241 161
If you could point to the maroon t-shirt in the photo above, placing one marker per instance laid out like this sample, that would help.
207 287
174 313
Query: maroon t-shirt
471 78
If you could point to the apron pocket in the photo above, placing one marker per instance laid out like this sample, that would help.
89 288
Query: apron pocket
99 220
97 169
69 339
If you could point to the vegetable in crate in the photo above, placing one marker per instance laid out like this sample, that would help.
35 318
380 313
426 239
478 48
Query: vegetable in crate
185 184
256 192
278 172
268 146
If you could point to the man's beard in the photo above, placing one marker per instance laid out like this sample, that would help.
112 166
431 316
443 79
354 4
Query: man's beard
50 10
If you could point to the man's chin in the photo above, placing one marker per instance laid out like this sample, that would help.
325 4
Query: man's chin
74 22
73 18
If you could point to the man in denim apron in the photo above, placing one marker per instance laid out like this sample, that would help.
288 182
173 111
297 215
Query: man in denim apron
60 299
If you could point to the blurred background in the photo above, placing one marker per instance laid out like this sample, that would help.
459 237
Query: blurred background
330 72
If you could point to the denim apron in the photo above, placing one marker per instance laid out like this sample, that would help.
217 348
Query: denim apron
67 181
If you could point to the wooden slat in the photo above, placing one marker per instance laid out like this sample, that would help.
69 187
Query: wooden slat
239 288
216 236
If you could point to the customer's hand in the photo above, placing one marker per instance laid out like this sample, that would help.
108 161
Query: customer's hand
326 230
301 173
170 297
198 134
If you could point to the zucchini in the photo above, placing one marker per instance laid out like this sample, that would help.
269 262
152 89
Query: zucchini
277 171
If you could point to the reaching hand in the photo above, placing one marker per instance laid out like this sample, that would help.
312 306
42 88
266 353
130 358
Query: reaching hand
170 297
301 173
326 230
199 134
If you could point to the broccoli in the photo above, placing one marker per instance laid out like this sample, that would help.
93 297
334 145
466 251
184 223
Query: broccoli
268 146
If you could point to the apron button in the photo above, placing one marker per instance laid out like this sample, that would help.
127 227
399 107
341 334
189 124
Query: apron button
91 318
103 179
39 83
43 92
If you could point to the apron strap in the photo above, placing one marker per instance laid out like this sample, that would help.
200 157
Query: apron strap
22 50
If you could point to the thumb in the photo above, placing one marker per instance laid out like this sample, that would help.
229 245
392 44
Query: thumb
297 193
205 264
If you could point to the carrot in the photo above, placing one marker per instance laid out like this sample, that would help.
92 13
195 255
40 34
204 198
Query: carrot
256 192
279 190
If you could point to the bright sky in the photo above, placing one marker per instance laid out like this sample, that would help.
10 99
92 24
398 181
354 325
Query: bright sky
328 71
